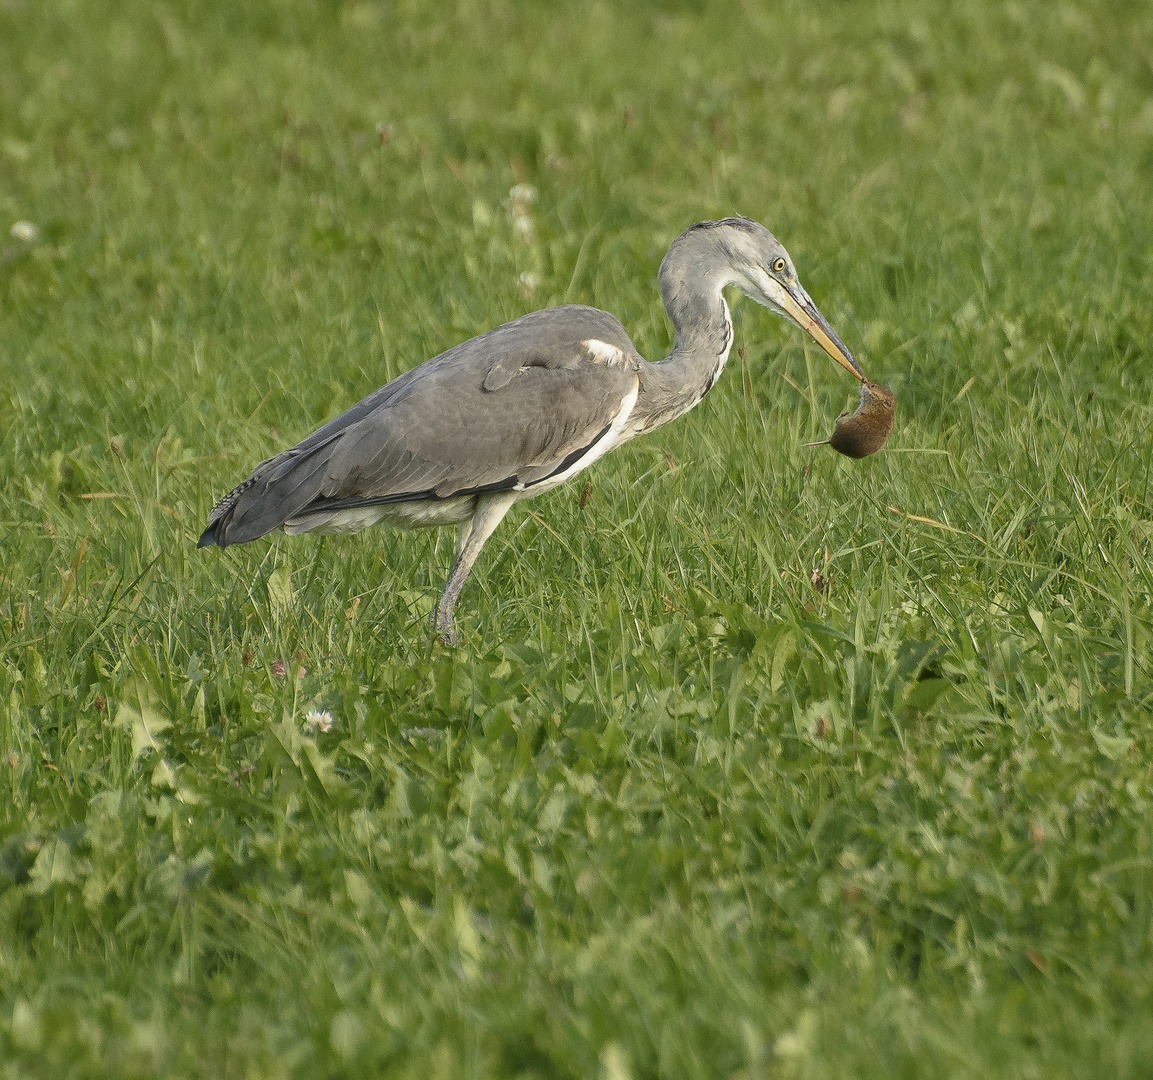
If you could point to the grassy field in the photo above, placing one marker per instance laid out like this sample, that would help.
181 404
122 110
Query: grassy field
674 808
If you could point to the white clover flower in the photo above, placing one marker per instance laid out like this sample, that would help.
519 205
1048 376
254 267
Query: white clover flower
318 720
25 232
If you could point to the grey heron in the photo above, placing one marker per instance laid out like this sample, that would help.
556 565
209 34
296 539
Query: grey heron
460 438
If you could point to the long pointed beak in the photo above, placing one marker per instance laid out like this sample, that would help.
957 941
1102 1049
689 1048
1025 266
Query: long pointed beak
801 309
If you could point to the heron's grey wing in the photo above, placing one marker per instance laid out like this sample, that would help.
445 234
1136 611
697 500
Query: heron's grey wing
508 409
458 438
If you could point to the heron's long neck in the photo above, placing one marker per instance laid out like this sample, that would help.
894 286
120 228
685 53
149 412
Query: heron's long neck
691 290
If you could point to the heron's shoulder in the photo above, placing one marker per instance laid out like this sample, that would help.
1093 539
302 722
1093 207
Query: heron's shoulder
560 338
568 323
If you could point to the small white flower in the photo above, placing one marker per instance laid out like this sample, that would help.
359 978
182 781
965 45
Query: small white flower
522 226
318 720
522 193
25 232
530 281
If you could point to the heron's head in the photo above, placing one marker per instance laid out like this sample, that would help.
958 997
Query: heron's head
755 261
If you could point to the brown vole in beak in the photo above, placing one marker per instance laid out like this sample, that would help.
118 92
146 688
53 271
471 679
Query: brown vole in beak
867 430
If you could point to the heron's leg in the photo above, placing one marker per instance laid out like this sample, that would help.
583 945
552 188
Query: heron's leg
489 512
462 531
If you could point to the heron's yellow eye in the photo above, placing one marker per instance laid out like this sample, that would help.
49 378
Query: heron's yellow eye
778 265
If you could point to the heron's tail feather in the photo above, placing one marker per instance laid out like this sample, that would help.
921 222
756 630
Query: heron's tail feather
208 537
276 491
